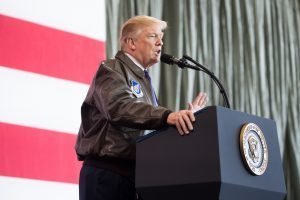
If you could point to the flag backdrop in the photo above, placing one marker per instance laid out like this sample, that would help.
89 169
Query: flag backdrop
49 52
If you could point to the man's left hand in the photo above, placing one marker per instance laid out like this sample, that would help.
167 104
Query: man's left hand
199 102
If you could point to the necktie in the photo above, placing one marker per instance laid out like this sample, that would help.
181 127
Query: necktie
154 99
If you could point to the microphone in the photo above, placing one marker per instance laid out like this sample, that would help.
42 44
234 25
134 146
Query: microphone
168 59
182 63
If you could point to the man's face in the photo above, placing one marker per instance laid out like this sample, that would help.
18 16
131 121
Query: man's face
148 45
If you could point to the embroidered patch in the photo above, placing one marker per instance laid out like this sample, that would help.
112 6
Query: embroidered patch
136 88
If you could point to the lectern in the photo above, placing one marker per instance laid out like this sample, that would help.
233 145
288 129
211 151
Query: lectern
211 162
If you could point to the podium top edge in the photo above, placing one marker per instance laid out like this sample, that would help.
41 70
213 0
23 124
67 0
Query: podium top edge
230 109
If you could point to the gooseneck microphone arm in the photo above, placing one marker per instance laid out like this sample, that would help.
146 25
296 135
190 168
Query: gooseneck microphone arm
182 63
213 77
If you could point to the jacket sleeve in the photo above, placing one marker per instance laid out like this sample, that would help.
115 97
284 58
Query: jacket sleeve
113 97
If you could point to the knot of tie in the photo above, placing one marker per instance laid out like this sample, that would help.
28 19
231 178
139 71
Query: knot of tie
153 95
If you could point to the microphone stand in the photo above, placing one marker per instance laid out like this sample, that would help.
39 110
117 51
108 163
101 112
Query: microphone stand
183 63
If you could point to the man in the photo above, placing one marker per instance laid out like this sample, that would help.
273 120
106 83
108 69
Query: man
119 107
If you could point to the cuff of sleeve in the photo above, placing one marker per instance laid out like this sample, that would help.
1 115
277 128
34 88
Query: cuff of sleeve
165 117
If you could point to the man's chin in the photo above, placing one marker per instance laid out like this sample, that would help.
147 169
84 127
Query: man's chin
156 61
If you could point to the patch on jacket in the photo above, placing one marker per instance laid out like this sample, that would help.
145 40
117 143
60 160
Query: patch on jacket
136 88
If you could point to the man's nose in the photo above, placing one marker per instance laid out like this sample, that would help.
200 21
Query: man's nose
159 42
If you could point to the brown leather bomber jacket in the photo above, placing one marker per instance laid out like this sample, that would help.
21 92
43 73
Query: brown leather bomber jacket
113 115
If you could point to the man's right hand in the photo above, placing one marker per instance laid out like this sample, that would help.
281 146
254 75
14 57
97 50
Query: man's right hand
182 120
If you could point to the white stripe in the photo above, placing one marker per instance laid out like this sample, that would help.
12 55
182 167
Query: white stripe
40 101
77 16
19 188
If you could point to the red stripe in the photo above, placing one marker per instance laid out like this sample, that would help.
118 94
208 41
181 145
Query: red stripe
35 48
38 154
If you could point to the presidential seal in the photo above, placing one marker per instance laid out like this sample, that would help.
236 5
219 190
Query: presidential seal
254 149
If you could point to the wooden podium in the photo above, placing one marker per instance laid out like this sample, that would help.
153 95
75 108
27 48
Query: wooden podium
208 163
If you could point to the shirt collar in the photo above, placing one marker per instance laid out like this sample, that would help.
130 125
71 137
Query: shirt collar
135 61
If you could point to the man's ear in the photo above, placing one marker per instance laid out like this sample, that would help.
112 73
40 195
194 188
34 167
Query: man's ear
131 44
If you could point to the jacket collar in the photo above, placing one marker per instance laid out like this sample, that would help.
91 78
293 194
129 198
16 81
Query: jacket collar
129 63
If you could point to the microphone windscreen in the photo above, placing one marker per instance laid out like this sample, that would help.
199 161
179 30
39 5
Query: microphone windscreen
168 59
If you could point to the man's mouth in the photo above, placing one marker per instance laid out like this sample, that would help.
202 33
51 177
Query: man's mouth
157 52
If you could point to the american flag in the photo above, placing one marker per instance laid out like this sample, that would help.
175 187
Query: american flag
49 52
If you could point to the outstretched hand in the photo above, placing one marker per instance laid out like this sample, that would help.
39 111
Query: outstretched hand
199 102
